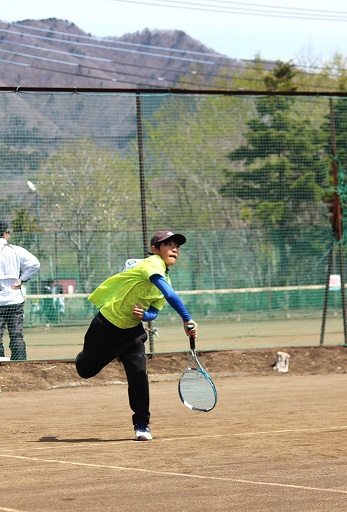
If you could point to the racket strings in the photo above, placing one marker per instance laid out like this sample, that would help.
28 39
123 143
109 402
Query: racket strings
196 390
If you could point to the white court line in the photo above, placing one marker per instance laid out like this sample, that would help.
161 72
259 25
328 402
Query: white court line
4 509
181 475
288 430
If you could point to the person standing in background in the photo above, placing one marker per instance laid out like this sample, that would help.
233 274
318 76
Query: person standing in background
17 265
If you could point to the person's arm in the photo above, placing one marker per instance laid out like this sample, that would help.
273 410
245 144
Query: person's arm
145 316
171 296
150 314
29 264
175 302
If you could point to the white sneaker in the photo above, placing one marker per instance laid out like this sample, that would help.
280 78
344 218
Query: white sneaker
142 433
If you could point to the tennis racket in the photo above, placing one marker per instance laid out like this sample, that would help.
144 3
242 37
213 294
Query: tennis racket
195 387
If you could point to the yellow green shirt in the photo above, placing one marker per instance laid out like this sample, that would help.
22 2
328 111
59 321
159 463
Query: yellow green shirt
118 294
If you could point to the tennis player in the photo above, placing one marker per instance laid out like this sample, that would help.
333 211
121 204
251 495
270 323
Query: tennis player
126 300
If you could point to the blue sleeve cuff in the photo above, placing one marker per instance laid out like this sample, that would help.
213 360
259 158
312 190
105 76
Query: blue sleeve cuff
150 314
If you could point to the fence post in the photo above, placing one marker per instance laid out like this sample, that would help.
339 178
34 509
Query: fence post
337 231
143 199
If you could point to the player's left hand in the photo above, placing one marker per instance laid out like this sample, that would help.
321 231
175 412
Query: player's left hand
17 285
138 311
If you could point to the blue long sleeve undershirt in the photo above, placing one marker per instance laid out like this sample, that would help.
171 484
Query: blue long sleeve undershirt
171 297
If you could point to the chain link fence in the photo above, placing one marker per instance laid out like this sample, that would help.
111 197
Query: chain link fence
87 177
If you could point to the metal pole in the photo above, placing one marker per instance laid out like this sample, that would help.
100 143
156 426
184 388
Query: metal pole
143 199
33 187
56 255
343 297
142 173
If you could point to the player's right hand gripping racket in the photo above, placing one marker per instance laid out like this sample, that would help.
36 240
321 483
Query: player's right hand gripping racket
195 387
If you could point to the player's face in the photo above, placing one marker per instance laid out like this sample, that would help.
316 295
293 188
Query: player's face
169 251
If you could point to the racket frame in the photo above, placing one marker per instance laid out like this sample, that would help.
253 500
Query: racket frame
197 368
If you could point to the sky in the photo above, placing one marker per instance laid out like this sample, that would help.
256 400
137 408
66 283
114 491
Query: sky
275 29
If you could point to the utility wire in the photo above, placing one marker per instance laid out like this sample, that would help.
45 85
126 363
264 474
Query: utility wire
86 57
125 73
225 59
121 63
256 10
75 64
69 63
98 77
118 41
138 52
182 81
111 61
224 64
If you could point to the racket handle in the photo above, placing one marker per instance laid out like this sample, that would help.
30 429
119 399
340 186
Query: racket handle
191 338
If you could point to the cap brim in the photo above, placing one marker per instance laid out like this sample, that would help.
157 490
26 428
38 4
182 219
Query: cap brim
179 238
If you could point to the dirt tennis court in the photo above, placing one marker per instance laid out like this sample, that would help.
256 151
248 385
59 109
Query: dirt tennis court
274 442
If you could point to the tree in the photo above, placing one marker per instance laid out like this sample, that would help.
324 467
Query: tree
185 146
281 77
278 171
249 74
84 191
335 128
340 128
25 229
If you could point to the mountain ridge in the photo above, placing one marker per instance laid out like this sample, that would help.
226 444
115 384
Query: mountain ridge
56 53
